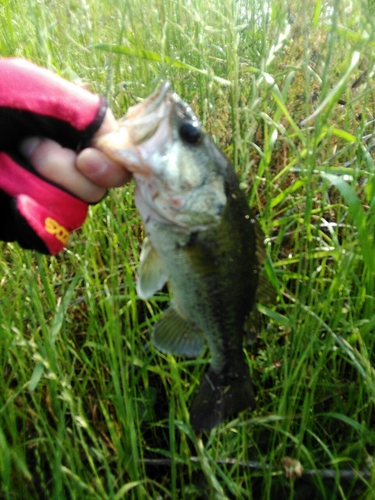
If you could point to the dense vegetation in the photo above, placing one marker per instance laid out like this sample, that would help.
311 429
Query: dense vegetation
88 408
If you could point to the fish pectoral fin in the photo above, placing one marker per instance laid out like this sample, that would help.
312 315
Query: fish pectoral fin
220 397
151 275
174 335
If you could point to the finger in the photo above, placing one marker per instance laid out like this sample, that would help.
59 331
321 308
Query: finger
58 165
109 124
100 169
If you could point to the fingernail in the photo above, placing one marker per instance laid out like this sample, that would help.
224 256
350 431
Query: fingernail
29 145
91 162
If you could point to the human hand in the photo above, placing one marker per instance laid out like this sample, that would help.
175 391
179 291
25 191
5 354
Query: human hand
87 174
43 182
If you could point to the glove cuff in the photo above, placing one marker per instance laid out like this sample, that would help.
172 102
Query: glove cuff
53 229
49 211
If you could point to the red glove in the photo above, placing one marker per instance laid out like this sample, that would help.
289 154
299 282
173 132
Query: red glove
36 102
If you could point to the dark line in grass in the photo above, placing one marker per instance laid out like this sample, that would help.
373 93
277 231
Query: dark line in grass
328 473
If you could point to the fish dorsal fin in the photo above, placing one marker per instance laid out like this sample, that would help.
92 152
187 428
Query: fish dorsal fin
260 249
151 275
174 335
251 326
266 294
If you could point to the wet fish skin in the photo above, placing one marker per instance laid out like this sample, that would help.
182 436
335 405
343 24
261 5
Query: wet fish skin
203 239
213 276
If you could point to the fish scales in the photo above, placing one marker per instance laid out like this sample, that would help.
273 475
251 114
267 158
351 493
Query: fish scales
201 237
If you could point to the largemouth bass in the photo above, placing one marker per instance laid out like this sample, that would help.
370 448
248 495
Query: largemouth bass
201 237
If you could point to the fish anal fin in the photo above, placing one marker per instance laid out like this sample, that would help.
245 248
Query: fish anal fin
220 397
174 335
151 275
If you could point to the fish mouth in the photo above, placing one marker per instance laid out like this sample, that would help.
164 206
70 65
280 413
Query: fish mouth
153 141
139 124
149 104
146 116
155 105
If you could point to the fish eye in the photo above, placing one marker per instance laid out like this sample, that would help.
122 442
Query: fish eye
190 132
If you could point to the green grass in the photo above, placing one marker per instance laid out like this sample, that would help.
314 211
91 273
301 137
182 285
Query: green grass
88 408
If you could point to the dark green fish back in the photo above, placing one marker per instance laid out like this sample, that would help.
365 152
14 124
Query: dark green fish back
214 275
226 388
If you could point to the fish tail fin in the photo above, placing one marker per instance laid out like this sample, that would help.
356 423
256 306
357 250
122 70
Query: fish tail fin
220 396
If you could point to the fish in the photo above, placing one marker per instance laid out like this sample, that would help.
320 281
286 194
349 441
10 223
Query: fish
202 238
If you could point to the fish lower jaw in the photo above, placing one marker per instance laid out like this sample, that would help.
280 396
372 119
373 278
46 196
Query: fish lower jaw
151 214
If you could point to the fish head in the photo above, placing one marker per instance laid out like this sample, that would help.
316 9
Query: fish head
174 163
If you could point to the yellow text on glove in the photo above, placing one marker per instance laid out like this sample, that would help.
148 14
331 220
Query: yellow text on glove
53 227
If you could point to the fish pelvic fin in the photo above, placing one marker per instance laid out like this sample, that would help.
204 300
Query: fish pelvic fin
220 397
151 275
174 335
